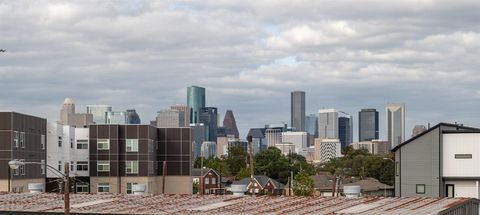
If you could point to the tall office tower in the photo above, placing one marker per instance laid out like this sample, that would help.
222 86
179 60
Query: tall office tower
132 117
395 118
327 123
273 136
209 149
345 129
208 116
116 117
196 101
99 113
368 125
169 119
69 117
68 108
297 115
230 124
418 129
259 141
311 124
298 138
198 137
185 112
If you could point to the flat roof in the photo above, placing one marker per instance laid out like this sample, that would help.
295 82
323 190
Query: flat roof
52 203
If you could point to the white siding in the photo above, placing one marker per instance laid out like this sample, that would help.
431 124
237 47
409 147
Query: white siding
465 188
464 143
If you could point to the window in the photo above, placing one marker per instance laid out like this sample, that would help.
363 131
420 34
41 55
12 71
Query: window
60 166
82 165
103 144
129 187
82 144
16 138
103 187
420 189
71 143
22 139
42 141
59 141
463 156
103 166
131 167
22 168
397 168
82 188
214 180
72 165
42 167
132 145
207 180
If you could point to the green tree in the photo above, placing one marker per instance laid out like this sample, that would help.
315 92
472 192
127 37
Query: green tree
303 184
236 160
272 163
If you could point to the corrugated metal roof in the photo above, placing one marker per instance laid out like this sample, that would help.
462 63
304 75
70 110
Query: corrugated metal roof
211 204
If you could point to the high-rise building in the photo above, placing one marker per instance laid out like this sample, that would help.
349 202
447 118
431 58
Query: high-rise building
209 117
230 124
345 129
99 113
368 125
327 149
327 124
259 141
69 117
209 149
132 117
169 119
196 101
198 137
297 115
273 136
418 129
395 118
116 117
311 124
22 137
298 138
184 112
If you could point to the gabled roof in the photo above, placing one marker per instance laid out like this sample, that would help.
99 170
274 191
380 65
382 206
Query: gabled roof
203 172
457 126
262 181
370 184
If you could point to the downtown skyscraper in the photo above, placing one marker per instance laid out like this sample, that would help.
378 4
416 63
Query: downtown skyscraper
345 129
297 115
196 101
328 124
368 125
395 119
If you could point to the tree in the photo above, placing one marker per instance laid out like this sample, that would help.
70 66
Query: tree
215 163
303 184
236 160
273 163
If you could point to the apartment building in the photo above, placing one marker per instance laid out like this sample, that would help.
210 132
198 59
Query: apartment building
22 137
440 162
122 156
68 144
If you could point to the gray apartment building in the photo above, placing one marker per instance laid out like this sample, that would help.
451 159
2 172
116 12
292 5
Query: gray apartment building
22 137
424 162
122 156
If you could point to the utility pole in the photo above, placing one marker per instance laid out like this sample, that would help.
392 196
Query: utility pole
66 190
250 146
291 173
164 173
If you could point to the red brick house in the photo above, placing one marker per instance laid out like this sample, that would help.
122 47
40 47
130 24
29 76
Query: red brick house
262 185
208 179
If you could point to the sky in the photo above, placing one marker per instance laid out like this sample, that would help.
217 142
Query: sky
249 55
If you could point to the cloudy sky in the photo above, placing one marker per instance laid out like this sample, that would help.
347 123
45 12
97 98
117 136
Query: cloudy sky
249 55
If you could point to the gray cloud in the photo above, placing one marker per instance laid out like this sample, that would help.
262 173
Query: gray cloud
248 54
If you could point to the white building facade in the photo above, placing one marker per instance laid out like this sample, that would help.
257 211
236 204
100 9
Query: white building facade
299 139
68 144
327 149
328 123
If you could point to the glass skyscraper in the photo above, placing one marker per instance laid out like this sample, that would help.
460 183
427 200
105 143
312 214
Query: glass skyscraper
328 124
297 115
368 125
117 117
99 113
209 117
196 101
311 125
345 130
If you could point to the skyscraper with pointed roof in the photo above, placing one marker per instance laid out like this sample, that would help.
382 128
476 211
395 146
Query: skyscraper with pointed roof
230 124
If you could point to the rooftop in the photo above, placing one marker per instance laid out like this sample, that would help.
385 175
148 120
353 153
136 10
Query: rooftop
210 204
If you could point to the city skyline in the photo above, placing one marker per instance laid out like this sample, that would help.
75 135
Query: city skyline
248 55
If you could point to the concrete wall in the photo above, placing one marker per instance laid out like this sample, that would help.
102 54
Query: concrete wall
461 144
19 184
173 184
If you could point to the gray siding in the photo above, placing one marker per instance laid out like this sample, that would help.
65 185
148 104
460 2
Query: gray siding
420 165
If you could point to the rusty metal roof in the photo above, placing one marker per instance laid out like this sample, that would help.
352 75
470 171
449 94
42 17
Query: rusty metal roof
211 204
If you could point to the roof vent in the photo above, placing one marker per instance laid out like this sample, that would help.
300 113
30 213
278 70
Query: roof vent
352 191
238 189
139 189
35 187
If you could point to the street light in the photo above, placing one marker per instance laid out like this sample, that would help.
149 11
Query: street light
15 164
